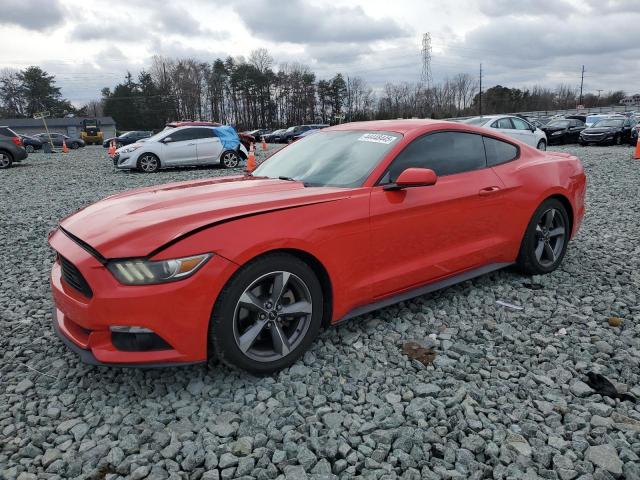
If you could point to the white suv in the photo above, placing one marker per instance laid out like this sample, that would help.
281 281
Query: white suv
183 146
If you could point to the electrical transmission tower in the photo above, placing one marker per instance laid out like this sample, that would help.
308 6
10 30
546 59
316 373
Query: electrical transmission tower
426 61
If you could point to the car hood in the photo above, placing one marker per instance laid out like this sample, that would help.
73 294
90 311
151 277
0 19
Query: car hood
553 129
139 222
599 130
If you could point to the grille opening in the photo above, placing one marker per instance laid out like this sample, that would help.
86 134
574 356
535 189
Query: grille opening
72 276
138 342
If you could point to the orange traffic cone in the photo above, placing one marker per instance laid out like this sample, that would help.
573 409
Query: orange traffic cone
264 144
65 149
112 148
251 160
636 154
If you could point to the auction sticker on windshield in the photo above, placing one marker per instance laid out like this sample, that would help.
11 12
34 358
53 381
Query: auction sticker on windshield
377 138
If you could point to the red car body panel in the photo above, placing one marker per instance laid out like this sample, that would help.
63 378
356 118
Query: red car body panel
373 244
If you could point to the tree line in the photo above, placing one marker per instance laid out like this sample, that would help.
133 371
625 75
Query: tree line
253 93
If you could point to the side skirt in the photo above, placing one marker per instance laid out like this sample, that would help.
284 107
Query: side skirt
424 289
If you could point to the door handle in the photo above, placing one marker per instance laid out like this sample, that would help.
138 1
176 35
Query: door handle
489 191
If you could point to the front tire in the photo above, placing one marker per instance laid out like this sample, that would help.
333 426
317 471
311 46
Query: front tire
545 240
148 163
74 146
230 159
542 145
267 315
617 140
29 148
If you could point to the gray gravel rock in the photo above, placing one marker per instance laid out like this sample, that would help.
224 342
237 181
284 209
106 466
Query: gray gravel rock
605 456
505 398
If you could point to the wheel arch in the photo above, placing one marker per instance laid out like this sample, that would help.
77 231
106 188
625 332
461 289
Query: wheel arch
567 205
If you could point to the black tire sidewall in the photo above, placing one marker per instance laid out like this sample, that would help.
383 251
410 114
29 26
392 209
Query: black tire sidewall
527 260
542 142
221 336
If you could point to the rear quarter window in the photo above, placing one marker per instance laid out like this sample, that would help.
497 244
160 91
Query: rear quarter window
499 152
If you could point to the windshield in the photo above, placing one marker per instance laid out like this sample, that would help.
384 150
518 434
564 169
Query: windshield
559 123
159 135
608 123
476 120
335 158
291 129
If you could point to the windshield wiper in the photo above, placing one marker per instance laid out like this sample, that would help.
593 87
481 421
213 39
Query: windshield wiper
289 179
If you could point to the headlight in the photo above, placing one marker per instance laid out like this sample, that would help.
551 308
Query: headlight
559 132
130 148
145 272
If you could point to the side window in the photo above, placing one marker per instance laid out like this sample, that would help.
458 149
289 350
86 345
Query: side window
182 135
498 151
504 123
446 153
204 133
627 123
520 124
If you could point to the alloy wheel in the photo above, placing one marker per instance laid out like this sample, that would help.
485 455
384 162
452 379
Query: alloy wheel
550 237
230 160
4 160
272 316
149 163
29 148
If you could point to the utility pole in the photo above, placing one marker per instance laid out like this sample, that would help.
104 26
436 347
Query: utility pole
480 95
426 77
598 101
581 85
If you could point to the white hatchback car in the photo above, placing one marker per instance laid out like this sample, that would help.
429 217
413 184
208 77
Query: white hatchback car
513 126
183 146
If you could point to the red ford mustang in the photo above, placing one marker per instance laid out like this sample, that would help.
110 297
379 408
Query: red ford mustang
343 222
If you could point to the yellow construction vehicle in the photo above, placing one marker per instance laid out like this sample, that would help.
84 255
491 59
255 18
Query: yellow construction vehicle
91 133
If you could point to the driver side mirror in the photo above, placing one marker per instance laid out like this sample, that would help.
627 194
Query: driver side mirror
413 177
167 140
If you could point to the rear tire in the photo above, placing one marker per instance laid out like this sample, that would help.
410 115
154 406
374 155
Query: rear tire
617 140
148 163
545 240
249 327
5 160
74 146
542 145
230 159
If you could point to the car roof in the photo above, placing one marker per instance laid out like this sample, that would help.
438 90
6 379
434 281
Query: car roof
188 123
398 126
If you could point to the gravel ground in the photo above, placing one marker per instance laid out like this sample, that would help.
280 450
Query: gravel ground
504 398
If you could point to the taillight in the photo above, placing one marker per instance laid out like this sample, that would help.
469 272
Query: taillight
17 141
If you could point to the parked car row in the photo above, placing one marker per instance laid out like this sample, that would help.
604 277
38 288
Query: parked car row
610 129
284 135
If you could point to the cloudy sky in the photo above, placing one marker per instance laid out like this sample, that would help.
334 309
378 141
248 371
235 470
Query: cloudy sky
89 45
